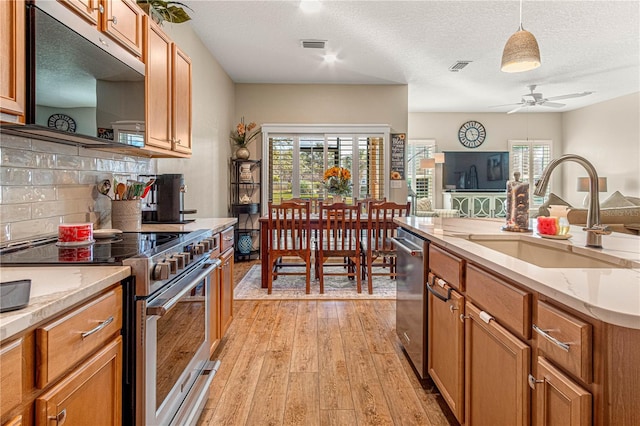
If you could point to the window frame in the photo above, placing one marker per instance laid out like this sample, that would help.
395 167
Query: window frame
325 131
531 143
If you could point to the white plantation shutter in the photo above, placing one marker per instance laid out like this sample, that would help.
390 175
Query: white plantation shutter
530 158
297 164
420 181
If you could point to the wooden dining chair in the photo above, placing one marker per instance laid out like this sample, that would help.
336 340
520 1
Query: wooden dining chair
289 233
364 203
378 250
338 252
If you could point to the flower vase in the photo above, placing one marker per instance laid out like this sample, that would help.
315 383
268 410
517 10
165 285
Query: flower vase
245 244
242 153
338 199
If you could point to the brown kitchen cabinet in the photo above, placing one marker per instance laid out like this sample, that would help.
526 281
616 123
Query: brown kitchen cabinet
12 70
168 94
120 19
445 332
559 400
89 395
497 365
226 290
51 372
214 312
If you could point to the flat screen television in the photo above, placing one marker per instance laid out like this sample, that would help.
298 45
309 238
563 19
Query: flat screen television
475 171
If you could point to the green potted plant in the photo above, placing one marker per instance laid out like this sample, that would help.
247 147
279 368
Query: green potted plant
170 11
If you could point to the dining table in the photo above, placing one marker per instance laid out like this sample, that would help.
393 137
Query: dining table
314 225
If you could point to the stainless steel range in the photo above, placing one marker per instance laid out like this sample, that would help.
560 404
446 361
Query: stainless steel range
167 372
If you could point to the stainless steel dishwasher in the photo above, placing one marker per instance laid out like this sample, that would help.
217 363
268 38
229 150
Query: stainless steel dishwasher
411 299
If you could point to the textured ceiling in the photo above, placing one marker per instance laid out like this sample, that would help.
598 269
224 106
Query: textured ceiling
584 45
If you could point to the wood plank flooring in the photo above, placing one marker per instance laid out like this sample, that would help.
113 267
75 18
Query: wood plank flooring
317 363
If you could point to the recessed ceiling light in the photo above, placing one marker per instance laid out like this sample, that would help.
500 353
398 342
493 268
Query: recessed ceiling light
330 57
310 5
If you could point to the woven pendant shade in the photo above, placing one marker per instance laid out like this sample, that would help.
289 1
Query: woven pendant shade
521 53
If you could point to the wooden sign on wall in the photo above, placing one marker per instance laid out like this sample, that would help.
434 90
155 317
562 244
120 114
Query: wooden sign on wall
397 155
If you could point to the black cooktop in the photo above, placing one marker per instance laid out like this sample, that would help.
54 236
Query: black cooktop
111 251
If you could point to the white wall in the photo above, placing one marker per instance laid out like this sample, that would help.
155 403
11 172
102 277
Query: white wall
206 173
324 104
500 128
608 135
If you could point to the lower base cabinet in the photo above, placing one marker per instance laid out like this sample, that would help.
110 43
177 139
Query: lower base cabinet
90 395
226 290
559 400
214 312
445 360
497 367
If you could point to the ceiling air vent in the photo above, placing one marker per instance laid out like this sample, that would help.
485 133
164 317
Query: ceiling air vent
314 44
459 65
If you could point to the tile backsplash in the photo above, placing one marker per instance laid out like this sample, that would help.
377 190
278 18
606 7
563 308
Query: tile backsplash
43 184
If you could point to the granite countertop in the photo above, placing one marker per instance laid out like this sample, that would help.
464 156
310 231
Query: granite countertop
608 294
55 289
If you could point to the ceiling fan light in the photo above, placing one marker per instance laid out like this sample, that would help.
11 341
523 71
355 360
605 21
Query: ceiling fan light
521 53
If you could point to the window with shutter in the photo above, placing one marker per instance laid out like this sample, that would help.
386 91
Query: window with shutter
297 163
420 181
530 158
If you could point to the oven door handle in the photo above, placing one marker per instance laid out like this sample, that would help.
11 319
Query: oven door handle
163 304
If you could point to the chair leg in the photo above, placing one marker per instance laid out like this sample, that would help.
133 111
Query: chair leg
308 275
357 274
320 272
370 273
270 277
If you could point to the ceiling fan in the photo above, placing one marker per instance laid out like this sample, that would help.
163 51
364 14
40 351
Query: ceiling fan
533 99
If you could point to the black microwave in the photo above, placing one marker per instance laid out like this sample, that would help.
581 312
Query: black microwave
80 83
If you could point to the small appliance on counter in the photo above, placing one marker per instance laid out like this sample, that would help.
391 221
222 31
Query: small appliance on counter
165 201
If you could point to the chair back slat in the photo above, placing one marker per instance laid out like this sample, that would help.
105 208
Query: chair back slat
380 225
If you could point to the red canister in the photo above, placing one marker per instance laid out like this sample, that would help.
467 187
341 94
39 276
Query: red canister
75 233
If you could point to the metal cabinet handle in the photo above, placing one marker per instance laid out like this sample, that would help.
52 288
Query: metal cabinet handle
546 335
60 418
532 381
100 9
114 20
438 295
99 327
401 243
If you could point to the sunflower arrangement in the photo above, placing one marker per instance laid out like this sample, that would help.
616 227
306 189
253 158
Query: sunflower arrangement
337 181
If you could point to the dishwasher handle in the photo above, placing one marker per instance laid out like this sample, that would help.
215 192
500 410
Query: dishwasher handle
435 293
408 247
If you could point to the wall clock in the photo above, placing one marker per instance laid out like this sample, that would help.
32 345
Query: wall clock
62 122
472 134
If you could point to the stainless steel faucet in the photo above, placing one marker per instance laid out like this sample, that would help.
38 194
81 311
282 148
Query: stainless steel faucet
594 229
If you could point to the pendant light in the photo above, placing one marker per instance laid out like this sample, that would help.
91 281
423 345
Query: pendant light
521 52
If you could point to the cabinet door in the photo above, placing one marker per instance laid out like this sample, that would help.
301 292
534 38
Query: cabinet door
214 312
12 71
11 360
497 366
122 20
87 9
157 58
446 345
226 291
559 400
89 395
181 101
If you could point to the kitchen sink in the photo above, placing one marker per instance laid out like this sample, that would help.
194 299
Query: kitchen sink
544 255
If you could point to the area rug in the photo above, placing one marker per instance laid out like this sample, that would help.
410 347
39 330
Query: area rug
293 287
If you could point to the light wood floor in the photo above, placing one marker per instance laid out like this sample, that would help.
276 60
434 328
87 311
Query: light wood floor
317 363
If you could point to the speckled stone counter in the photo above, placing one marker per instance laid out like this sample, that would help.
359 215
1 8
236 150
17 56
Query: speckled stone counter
54 289
611 295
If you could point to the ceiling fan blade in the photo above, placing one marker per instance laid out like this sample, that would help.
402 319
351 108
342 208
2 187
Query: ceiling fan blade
504 105
551 104
516 109
572 95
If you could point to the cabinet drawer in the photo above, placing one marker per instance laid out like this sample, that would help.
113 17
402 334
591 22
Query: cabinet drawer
226 239
61 344
564 339
11 383
447 266
508 304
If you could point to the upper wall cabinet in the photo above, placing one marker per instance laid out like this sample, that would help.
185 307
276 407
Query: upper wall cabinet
12 61
168 95
120 19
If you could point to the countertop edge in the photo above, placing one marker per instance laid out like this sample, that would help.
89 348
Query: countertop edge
620 283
